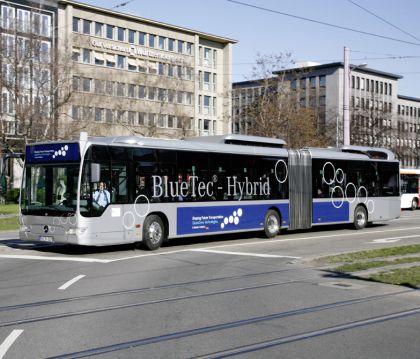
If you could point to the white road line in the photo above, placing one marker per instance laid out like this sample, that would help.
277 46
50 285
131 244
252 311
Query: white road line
205 250
71 281
393 239
70 259
280 239
4 347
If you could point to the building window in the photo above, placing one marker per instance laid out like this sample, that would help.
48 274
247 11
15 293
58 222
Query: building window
120 89
171 44
142 91
181 46
99 29
171 121
86 56
131 90
206 82
206 105
98 114
141 119
110 32
121 34
23 20
76 83
132 64
75 113
189 48
131 36
322 81
153 67
206 56
142 38
76 55
86 27
161 43
86 83
108 115
7 16
152 93
99 59
121 61
152 40
76 22
110 60
312 81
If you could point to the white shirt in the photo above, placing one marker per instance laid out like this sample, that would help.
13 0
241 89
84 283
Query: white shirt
102 197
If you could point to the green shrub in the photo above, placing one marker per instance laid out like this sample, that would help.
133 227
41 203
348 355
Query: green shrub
12 195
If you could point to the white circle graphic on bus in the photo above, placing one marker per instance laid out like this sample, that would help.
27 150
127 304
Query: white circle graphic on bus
234 218
277 168
62 152
330 176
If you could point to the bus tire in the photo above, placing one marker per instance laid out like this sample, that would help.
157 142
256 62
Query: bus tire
271 224
154 232
414 204
360 217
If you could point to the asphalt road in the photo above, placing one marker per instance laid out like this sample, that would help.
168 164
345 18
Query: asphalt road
206 297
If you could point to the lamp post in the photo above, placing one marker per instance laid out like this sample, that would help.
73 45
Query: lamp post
346 95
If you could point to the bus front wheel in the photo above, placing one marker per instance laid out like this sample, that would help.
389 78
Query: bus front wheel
153 232
414 204
360 217
271 224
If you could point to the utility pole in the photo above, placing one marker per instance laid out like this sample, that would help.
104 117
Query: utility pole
346 97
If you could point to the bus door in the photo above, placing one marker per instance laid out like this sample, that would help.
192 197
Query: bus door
300 189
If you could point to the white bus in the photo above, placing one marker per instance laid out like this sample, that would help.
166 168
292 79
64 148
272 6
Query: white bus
156 189
410 188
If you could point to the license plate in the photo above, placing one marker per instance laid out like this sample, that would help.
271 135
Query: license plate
46 239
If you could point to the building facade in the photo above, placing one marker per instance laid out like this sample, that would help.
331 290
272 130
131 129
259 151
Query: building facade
132 75
379 116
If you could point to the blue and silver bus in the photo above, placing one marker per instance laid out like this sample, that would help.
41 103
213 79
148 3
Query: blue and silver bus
115 190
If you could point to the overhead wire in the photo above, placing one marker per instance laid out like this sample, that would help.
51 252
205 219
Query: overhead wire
322 22
382 19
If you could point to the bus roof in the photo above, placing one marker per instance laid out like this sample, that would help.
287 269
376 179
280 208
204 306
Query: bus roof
237 144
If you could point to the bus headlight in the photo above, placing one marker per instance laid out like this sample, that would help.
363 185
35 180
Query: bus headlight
76 230
24 228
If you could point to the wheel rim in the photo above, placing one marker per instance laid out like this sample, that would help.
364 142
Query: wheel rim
414 204
360 218
272 224
155 232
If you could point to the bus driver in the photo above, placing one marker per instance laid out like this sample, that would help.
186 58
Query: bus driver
101 196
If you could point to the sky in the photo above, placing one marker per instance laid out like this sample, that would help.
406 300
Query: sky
271 32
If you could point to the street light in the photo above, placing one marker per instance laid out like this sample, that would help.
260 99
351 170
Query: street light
346 95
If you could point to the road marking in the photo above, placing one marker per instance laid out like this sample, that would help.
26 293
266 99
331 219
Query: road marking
259 242
71 281
393 239
71 259
205 250
4 347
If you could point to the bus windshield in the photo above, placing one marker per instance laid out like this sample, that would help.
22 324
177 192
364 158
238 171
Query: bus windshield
409 183
50 189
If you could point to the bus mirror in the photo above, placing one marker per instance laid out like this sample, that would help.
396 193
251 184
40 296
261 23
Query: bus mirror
95 172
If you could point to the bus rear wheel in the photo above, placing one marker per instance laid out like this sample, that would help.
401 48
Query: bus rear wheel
271 224
414 204
154 233
360 217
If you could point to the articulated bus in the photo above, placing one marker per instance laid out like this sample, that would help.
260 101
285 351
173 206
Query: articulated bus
159 189
410 188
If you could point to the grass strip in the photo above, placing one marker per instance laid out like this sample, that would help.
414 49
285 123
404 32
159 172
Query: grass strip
374 253
354 267
9 209
409 277
9 224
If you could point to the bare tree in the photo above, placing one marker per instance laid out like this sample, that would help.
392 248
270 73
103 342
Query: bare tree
36 86
282 109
